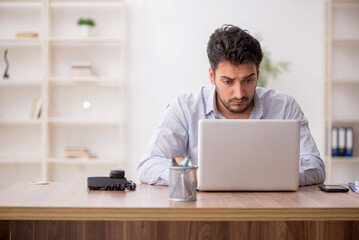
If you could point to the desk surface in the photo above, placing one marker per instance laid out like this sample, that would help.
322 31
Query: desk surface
73 201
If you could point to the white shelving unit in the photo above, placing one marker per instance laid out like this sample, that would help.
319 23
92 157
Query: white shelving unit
34 149
342 84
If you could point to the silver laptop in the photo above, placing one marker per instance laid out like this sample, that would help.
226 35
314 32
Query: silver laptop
248 155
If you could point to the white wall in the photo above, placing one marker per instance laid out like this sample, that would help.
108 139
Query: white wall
167 55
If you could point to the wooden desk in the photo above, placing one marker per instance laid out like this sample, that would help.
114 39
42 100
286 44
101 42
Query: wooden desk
71 211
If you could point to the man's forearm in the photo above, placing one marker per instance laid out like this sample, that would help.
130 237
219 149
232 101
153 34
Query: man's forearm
312 171
154 171
311 176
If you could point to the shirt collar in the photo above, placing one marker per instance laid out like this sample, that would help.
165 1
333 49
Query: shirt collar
210 106
257 111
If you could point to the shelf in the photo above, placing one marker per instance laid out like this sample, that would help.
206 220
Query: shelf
86 1
345 40
104 81
78 111
19 82
89 4
348 160
22 160
84 40
21 41
20 122
57 1
345 1
346 81
83 121
64 160
20 3
341 82
346 120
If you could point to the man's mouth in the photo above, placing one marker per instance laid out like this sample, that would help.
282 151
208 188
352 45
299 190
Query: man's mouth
239 102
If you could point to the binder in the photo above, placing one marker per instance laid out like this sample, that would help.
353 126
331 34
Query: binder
335 148
341 141
349 139
354 186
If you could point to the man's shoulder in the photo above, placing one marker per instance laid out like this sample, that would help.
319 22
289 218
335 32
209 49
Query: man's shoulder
266 94
196 99
277 104
196 96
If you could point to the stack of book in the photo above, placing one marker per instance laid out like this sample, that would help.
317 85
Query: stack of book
27 35
82 70
36 109
78 153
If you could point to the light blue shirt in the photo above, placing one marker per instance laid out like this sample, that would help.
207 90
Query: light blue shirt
178 133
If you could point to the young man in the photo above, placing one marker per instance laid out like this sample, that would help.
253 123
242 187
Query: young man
235 58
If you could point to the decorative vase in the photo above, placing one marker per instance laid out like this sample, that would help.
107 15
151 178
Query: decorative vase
85 31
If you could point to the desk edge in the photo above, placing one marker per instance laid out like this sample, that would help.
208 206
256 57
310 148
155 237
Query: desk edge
179 214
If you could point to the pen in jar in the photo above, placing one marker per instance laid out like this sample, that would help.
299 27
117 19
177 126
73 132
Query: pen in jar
186 161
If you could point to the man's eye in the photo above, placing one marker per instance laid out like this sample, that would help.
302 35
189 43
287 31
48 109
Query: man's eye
227 82
249 80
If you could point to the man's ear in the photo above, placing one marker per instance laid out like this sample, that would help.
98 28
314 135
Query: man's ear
258 71
211 75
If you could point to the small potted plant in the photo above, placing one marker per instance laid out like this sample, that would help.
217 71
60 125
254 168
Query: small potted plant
85 26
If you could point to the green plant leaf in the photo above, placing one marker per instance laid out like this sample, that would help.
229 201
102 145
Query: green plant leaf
270 70
89 21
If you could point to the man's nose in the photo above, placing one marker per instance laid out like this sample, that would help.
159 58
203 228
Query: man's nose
238 91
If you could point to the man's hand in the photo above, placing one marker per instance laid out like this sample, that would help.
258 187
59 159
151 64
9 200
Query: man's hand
179 159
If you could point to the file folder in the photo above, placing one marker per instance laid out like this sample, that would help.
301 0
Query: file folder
349 139
335 149
341 141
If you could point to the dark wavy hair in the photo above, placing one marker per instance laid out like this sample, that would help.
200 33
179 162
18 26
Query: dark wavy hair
234 45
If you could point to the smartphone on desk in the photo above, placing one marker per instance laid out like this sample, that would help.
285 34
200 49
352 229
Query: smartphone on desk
333 188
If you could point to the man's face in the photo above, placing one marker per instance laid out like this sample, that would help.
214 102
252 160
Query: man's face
235 86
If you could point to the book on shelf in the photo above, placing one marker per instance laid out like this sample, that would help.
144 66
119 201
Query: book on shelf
342 141
75 152
82 70
36 109
27 35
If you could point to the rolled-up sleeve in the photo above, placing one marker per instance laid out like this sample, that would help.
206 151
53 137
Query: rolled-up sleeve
311 166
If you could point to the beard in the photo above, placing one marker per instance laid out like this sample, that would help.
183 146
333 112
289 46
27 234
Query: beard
233 109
